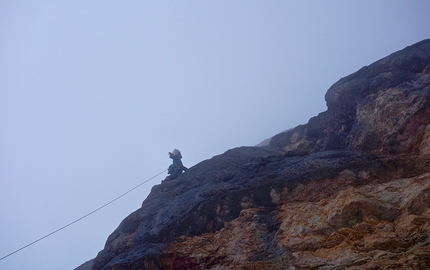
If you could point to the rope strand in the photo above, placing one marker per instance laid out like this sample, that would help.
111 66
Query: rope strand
73 222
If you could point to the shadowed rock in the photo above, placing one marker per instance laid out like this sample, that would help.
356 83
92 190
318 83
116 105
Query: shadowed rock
347 190
382 108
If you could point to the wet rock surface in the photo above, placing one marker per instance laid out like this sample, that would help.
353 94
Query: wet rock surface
348 190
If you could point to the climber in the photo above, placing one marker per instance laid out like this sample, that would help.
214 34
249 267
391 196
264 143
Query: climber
176 168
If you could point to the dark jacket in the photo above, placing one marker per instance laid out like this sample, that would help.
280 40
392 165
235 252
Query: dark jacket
176 168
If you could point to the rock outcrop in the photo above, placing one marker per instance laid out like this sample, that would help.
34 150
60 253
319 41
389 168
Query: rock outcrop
382 108
348 190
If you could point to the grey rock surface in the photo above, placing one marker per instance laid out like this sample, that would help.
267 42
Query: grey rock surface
373 109
376 128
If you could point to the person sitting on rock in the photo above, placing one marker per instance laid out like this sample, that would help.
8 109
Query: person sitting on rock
177 167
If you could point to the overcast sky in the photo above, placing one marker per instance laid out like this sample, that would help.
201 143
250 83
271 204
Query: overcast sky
93 94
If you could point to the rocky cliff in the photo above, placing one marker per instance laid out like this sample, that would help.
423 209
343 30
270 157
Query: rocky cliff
348 190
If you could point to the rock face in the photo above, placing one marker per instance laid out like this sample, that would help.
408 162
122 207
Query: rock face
85 266
348 190
382 108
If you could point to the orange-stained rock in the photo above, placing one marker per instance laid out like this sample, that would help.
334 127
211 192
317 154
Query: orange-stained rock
304 238
348 190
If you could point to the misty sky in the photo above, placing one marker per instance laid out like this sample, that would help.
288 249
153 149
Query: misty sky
94 94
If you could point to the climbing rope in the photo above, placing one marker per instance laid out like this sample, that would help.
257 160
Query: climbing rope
73 222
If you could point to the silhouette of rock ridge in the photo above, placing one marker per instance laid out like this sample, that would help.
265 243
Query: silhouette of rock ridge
348 190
